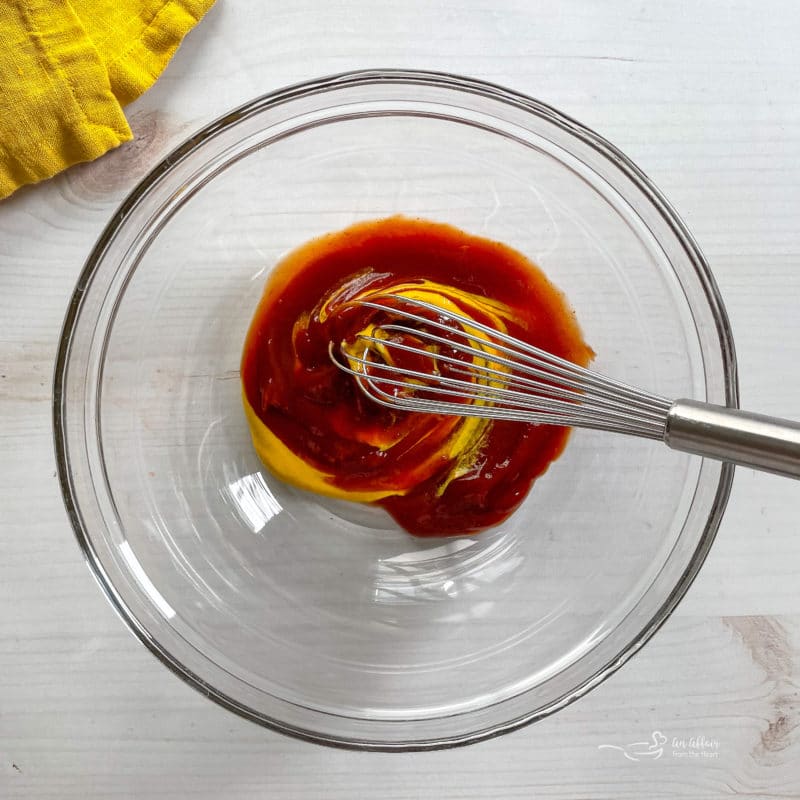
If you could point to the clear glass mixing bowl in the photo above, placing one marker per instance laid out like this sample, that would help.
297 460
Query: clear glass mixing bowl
322 618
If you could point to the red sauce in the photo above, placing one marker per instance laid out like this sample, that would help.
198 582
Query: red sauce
319 414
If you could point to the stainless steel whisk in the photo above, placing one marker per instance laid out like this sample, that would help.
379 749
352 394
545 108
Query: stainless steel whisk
511 380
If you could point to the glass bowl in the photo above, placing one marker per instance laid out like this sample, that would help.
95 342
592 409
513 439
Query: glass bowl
320 618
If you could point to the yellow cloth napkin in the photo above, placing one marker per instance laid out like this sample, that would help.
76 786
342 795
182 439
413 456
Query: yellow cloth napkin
66 69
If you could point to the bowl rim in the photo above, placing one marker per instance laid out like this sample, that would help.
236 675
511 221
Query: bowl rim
308 88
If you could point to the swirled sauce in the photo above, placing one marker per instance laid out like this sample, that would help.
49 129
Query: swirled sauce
311 425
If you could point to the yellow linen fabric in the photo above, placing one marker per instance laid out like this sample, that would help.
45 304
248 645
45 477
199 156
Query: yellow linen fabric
66 69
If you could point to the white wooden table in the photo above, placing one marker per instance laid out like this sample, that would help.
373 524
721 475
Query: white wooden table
705 98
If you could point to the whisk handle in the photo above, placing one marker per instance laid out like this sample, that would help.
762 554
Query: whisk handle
728 434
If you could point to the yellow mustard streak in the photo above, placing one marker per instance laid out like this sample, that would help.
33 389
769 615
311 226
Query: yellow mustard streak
292 469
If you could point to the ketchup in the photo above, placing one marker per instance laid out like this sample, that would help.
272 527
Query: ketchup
311 425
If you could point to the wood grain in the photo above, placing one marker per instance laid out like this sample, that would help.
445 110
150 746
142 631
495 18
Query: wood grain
704 97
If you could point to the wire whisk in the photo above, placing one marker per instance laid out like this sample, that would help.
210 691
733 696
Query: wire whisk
461 367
